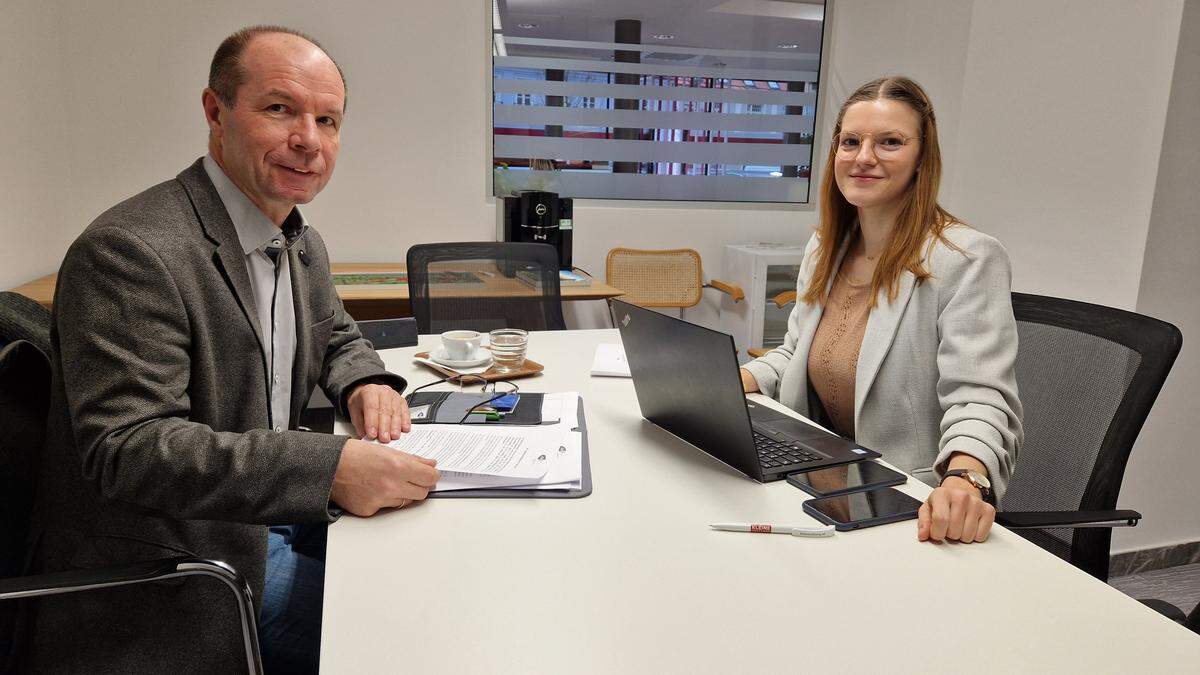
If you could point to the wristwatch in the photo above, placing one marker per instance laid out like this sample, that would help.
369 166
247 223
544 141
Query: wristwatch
976 479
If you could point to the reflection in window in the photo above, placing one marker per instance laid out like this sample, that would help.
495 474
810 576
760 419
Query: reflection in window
592 104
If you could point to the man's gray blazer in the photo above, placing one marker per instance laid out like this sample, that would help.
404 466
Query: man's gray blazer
936 367
157 440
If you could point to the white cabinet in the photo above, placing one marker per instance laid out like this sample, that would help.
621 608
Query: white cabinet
763 270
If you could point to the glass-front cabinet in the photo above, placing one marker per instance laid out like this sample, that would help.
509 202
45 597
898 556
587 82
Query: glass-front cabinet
763 270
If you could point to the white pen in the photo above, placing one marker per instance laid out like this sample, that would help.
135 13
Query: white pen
820 531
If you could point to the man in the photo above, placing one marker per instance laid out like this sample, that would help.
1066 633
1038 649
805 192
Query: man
191 323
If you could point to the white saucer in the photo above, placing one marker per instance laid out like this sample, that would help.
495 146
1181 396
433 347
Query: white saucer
438 356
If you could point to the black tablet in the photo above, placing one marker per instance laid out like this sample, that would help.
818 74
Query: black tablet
847 478
863 509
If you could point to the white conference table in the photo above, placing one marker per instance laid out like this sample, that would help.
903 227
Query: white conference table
631 579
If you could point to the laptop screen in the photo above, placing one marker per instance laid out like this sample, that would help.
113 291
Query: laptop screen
687 382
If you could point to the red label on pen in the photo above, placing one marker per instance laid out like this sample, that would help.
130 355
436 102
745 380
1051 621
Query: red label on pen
760 528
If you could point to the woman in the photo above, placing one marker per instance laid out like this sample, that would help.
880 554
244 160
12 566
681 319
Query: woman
903 335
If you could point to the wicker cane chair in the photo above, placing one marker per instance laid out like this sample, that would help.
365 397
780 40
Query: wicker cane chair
662 278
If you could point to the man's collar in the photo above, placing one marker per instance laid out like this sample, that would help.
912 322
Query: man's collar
254 229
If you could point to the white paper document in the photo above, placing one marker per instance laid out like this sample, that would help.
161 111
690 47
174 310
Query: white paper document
544 457
460 449
561 409
567 469
610 361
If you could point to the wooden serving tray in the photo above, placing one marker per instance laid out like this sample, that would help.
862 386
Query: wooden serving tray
491 374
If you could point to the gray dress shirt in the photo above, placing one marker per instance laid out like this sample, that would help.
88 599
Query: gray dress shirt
264 243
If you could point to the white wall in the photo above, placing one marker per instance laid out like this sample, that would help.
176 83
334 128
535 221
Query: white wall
1051 117
923 39
1160 479
33 153
1063 105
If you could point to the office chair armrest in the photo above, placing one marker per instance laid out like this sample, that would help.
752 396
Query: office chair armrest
1165 608
71 581
734 291
1017 520
784 298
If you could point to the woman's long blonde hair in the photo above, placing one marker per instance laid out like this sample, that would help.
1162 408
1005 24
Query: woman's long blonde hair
919 217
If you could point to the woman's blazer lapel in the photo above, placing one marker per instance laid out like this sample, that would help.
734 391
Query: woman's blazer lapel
807 328
882 325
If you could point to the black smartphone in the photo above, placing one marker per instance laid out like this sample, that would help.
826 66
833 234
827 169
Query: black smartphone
863 509
847 478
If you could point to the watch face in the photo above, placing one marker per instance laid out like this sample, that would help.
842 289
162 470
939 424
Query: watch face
980 479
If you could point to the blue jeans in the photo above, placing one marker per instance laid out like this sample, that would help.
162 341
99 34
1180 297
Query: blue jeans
289 629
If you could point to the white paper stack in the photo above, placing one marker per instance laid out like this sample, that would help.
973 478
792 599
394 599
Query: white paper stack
544 457
610 361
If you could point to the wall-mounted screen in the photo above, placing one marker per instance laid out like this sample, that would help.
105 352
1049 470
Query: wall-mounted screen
695 100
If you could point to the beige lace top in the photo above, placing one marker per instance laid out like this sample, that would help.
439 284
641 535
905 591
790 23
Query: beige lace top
833 356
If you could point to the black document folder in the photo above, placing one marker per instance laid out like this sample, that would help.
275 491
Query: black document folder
452 407
585 483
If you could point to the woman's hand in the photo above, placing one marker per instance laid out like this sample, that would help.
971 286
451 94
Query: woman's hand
955 510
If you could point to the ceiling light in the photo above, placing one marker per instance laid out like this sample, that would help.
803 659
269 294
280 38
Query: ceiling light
527 26
663 36
776 174
787 46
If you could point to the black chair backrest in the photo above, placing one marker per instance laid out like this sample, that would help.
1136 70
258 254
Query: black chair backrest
23 319
24 400
1087 376
389 333
484 286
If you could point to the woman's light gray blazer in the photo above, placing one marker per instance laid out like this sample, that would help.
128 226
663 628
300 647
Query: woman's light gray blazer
935 371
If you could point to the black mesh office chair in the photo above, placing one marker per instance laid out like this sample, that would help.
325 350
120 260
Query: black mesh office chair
24 400
389 333
1088 376
23 319
484 286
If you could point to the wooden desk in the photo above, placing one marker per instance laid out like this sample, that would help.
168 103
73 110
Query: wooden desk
375 301
40 290
632 580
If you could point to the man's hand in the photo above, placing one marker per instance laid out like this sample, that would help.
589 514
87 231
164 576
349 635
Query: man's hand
378 412
370 477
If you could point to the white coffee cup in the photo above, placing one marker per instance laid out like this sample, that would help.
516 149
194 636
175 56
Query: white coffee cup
461 345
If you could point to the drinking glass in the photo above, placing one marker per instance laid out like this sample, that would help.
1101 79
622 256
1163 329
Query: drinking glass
508 348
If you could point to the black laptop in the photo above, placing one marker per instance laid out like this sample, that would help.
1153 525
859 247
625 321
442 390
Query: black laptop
687 382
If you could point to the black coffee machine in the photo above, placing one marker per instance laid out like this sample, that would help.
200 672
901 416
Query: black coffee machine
540 218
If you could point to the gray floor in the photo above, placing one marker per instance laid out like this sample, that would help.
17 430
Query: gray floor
1179 586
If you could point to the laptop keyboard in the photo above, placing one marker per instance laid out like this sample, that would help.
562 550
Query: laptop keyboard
773 454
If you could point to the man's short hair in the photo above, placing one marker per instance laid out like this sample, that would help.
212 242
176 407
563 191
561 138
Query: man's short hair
226 74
